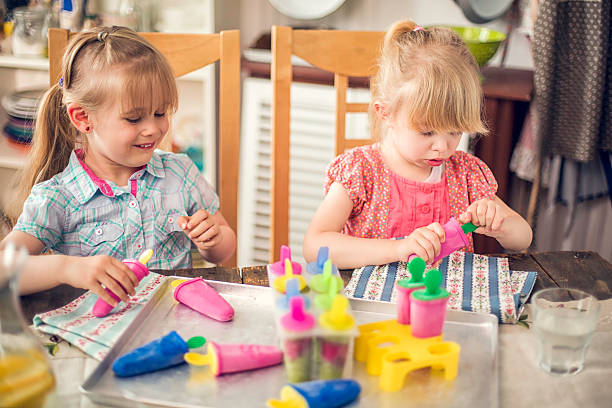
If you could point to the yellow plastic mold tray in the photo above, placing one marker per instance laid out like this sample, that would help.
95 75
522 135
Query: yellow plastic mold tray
390 351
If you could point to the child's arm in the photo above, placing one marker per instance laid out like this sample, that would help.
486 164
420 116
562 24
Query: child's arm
211 234
42 272
352 252
499 221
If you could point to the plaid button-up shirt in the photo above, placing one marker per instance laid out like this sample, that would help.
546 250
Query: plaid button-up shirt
76 213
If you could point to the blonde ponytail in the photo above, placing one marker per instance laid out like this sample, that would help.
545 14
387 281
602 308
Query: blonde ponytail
53 141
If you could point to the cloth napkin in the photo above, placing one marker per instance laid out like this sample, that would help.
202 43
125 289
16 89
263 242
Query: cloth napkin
95 336
476 283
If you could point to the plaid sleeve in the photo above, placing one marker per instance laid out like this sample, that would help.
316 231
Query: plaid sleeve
200 194
44 214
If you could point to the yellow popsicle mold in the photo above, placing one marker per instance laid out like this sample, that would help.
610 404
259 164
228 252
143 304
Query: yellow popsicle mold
210 359
337 318
405 353
280 283
290 398
145 256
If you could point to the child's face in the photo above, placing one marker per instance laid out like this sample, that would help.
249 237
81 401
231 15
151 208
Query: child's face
423 149
127 139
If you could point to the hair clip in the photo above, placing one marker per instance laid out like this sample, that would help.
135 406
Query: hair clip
61 82
102 36
418 28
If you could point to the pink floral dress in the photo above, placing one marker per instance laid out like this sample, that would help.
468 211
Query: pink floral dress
386 205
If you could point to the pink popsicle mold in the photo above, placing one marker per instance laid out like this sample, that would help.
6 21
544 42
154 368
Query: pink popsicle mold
278 268
101 308
455 239
297 319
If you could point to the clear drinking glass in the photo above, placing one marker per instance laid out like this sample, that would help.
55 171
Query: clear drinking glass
26 379
564 323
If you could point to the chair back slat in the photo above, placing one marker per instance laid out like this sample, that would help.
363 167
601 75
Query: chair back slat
343 53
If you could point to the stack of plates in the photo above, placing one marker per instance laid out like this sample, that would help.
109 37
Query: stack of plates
21 110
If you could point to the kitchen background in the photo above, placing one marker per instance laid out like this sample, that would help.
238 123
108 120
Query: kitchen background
312 107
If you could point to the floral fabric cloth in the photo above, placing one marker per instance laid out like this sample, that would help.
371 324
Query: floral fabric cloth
476 283
95 336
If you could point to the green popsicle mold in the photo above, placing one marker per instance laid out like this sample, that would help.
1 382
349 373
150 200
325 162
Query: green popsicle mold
432 289
416 267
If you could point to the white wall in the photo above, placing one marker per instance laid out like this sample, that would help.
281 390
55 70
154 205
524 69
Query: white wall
257 16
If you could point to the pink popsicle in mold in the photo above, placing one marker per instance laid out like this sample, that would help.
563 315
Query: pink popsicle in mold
297 351
278 268
101 308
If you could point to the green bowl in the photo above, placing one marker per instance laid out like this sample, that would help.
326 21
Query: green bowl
482 42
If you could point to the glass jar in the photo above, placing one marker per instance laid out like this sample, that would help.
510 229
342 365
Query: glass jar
26 379
30 31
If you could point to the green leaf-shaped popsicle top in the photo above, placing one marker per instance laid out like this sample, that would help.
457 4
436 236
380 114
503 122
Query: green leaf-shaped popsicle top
432 282
432 290
416 267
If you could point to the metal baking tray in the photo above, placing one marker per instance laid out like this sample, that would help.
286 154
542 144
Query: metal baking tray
476 384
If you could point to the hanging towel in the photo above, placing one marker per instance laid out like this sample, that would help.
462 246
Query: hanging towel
476 283
95 336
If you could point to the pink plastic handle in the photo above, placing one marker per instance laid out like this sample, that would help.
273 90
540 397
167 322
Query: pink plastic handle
101 308
455 239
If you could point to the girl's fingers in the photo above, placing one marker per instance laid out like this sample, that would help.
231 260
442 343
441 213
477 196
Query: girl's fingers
481 214
199 229
434 240
125 270
103 294
497 223
182 221
121 277
209 234
427 247
109 283
198 218
490 215
438 230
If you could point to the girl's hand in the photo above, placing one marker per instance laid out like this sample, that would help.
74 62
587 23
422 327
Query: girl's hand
424 242
98 272
202 229
488 215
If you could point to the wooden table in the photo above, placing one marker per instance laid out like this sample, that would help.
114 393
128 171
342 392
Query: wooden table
583 270
521 382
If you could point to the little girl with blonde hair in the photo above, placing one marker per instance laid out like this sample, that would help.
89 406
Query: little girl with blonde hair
427 93
97 189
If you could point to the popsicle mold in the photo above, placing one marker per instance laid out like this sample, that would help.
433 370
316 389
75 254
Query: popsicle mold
455 238
324 300
317 394
428 307
293 289
297 319
280 283
278 268
321 282
316 267
405 287
316 342
201 297
166 351
233 358
337 317
389 349
101 308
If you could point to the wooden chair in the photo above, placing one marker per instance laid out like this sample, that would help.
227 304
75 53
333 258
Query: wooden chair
187 53
343 53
